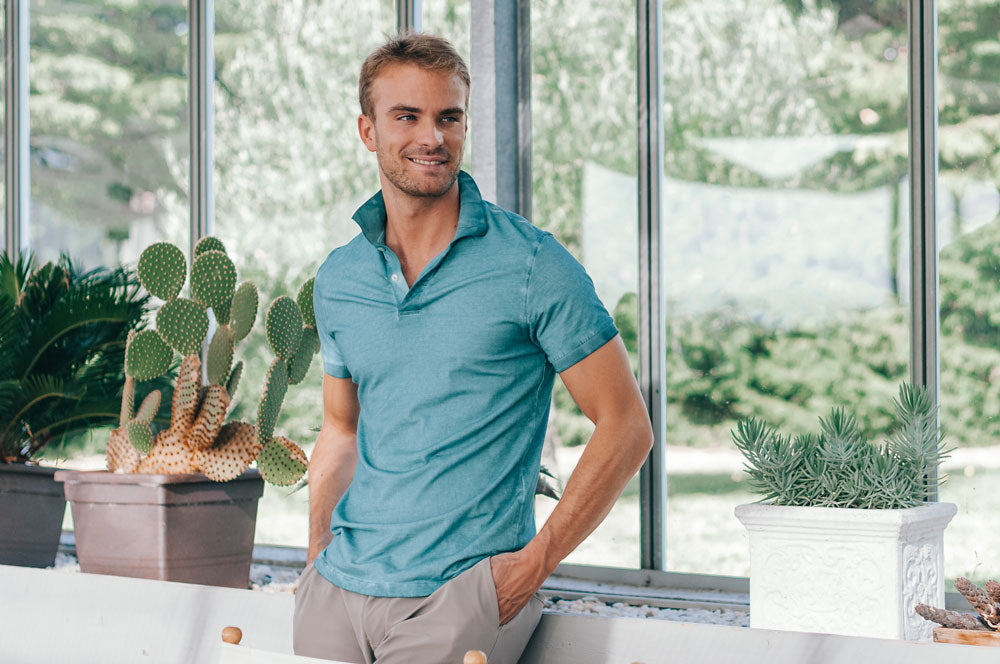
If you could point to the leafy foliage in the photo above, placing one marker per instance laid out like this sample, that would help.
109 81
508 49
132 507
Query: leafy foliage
62 345
840 468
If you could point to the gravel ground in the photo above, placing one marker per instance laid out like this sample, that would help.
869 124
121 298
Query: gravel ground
272 579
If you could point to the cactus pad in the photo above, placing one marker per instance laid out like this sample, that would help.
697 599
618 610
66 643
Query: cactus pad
222 312
183 324
235 449
234 379
210 418
147 356
120 453
299 364
147 411
208 243
305 300
270 402
184 406
282 462
140 436
220 355
283 325
169 456
162 270
243 310
213 278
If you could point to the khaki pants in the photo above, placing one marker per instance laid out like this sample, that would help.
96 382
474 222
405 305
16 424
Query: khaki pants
461 615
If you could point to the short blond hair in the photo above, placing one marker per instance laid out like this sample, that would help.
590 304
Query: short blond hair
426 51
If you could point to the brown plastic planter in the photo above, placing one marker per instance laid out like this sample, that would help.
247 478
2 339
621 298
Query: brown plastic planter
31 515
183 528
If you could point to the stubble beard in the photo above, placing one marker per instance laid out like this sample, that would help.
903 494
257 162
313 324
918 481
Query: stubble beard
395 171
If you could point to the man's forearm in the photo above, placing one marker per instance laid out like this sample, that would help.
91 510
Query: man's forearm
611 458
331 469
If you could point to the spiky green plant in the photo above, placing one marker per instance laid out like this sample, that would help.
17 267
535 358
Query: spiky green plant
199 438
839 467
62 344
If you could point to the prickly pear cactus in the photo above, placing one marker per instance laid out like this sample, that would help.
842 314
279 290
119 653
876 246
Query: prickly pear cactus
283 325
282 462
162 270
213 278
199 439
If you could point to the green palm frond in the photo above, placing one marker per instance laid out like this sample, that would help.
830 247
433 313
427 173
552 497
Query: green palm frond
62 345
13 274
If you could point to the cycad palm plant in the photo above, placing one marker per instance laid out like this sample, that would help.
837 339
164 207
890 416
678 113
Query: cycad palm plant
62 345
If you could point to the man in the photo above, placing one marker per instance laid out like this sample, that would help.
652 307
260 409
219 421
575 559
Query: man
443 324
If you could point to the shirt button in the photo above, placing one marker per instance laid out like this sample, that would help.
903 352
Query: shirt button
395 278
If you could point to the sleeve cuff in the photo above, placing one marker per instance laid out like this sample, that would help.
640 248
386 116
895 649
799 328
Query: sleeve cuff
336 370
603 335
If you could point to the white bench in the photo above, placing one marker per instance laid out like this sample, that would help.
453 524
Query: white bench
83 618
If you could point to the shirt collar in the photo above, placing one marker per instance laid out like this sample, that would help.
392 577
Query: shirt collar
471 213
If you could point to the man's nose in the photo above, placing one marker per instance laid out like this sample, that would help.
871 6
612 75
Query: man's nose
430 134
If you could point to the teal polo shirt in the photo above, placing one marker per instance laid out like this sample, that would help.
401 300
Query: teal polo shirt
454 377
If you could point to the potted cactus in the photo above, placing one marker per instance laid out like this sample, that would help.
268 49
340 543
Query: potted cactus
180 504
845 542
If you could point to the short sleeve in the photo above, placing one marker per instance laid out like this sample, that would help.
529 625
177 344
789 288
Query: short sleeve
333 361
565 317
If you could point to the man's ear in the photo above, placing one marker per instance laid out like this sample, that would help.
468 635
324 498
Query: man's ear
366 129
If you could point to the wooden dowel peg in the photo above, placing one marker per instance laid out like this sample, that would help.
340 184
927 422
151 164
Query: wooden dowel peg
474 657
231 634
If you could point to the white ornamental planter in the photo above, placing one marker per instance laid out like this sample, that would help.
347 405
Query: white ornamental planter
846 571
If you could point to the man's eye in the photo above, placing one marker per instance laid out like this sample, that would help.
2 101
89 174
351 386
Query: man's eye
407 117
449 118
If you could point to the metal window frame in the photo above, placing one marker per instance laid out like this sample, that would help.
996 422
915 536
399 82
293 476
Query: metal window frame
409 15
923 170
652 321
201 79
17 165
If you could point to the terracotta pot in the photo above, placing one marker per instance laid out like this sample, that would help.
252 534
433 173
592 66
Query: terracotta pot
183 528
31 515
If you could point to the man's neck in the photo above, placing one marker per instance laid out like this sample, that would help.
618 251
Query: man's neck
418 225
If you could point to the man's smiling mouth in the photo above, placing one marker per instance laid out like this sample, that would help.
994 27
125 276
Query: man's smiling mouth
427 162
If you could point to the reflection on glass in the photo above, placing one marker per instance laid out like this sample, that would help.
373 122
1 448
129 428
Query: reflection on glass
584 192
290 170
784 244
109 128
968 234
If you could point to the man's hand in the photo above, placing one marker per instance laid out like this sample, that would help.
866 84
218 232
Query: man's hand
517 576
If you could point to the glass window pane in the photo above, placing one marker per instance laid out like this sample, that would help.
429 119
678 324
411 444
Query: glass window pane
584 191
784 239
109 128
450 19
968 234
290 170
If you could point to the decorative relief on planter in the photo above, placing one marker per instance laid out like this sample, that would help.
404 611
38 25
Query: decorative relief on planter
798 580
845 571
921 583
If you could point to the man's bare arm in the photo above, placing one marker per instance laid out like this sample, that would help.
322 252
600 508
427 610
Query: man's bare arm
604 388
331 467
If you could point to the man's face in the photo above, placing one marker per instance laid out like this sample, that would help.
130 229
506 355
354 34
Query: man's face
418 132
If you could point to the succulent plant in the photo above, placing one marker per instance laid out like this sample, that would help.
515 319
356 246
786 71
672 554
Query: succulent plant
839 467
199 439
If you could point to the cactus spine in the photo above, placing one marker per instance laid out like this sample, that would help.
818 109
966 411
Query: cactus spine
199 439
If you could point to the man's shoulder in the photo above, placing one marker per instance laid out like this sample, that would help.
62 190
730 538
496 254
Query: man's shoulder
514 225
343 256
